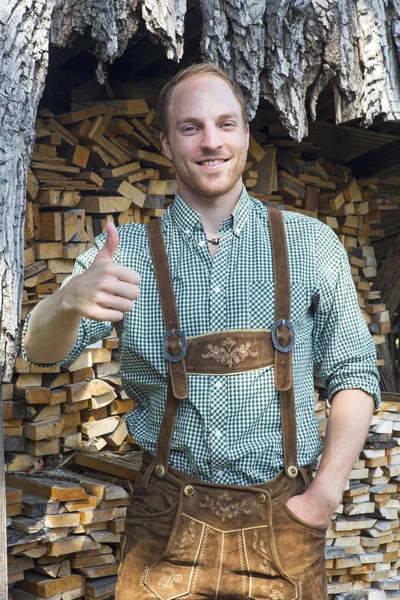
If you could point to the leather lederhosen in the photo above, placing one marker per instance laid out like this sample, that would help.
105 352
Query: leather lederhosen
186 538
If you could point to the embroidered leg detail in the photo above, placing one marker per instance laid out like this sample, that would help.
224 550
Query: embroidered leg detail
221 564
200 561
242 563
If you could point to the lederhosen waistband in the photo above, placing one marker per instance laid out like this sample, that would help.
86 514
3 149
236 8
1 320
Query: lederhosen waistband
226 352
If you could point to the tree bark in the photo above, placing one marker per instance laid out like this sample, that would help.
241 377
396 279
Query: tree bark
24 41
234 39
297 46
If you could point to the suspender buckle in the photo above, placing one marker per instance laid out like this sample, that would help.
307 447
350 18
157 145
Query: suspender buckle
182 353
275 342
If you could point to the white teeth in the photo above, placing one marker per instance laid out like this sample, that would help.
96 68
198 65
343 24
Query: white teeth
212 163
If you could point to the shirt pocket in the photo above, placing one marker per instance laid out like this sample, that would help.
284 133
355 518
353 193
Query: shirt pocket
261 303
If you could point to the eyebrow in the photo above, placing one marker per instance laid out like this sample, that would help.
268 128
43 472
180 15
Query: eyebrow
196 121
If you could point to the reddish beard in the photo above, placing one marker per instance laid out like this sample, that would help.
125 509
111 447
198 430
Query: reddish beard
210 184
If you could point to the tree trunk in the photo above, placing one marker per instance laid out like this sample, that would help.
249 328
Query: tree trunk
24 45
24 42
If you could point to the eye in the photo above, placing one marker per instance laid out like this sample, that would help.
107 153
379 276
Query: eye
189 129
228 124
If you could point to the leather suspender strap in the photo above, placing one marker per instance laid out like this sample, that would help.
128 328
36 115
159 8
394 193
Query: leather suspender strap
284 337
174 351
282 333
174 343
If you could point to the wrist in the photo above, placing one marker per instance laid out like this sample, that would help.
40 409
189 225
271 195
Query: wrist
67 302
325 493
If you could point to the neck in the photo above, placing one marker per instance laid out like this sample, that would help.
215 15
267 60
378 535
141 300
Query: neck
212 210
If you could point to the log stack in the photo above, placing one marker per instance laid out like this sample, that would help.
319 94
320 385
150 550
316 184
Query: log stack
103 162
66 538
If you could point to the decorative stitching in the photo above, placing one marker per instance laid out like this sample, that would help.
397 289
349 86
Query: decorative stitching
221 565
229 355
144 587
187 540
168 581
241 562
258 546
271 589
224 508
201 555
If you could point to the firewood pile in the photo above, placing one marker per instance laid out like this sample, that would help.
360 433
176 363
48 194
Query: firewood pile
103 162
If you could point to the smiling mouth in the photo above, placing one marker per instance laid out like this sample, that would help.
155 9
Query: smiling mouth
212 163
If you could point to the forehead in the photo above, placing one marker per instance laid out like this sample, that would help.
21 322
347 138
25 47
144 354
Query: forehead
202 96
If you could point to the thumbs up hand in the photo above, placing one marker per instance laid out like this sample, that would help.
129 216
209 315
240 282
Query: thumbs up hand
105 290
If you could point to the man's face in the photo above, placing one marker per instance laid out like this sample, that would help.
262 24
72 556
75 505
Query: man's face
207 138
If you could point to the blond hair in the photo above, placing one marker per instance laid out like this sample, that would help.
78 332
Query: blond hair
193 71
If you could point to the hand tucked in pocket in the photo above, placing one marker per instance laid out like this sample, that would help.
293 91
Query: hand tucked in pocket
314 506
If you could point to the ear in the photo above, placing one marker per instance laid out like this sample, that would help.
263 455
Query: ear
165 145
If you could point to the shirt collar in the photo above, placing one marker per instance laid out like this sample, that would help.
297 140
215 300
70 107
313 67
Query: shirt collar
186 218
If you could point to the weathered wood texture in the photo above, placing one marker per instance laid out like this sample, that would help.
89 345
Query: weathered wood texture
110 23
23 59
292 49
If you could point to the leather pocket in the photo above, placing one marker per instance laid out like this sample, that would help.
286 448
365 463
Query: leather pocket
299 545
152 503
301 523
266 576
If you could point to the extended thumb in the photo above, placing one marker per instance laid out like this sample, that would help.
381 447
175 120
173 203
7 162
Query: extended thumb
111 244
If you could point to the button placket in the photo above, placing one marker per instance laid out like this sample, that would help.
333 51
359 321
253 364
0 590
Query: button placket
219 384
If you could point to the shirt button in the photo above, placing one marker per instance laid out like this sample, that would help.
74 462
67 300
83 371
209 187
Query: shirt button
237 230
202 243
217 289
219 385
219 473
187 231
218 433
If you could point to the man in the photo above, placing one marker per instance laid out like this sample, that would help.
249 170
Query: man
218 350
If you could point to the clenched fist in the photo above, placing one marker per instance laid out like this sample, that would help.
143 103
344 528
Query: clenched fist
105 290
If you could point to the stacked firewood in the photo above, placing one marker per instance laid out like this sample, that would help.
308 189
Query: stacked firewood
64 535
363 542
104 162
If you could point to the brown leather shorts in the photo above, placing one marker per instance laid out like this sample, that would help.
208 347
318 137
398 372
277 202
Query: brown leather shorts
185 538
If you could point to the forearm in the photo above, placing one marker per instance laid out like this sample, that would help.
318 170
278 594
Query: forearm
52 330
348 425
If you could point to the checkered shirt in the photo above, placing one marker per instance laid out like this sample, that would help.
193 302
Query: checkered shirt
228 430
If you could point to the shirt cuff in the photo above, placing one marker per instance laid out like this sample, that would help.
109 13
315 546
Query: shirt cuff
368 384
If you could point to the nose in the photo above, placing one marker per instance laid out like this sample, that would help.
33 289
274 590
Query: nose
211 139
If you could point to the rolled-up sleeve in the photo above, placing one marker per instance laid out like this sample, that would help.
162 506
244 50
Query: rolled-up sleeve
89 331
343 349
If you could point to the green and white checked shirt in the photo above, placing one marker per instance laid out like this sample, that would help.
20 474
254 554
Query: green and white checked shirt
228 430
